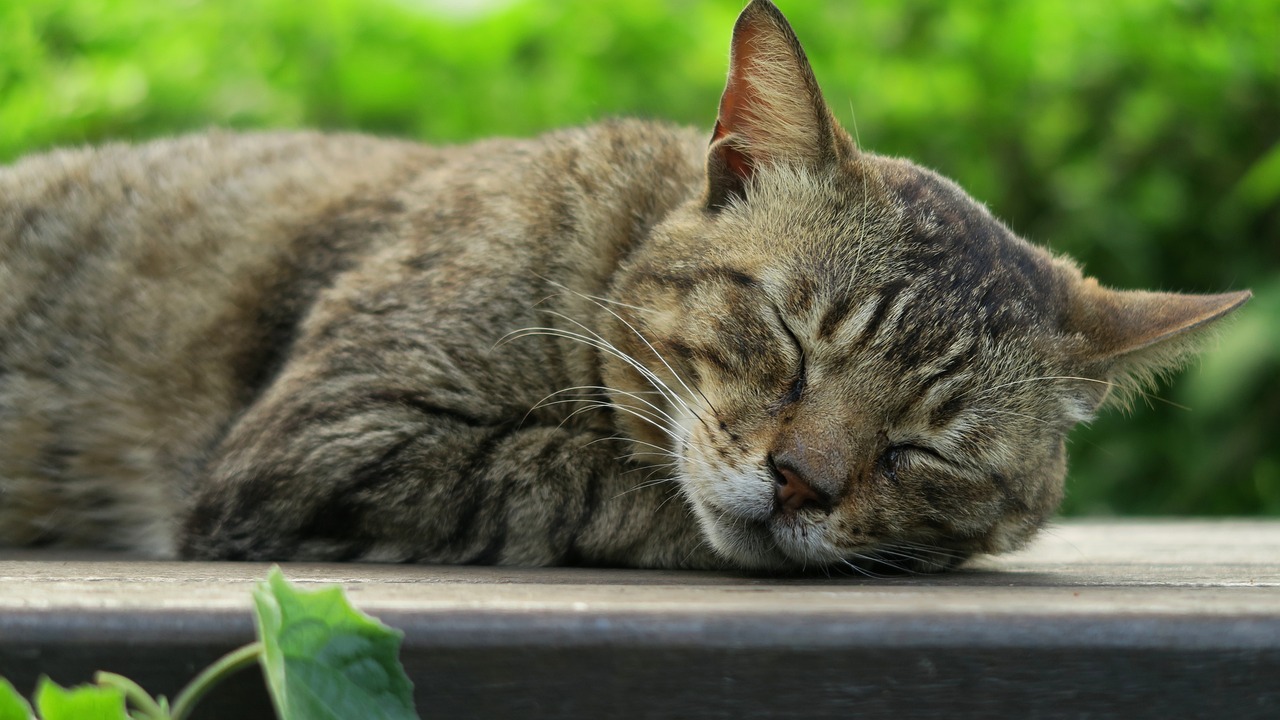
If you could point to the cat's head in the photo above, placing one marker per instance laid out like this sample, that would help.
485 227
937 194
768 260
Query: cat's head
858 362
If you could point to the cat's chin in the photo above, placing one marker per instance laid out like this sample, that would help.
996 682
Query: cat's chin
775 546
756 544
748 547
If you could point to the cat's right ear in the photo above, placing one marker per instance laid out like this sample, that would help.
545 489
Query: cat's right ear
772 111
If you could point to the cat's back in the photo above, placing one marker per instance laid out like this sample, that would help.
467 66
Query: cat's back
86 225
143 292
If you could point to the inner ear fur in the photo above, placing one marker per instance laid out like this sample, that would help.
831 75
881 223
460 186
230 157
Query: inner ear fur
772 110
1131 336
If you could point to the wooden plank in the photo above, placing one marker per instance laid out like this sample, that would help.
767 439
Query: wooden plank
1097 619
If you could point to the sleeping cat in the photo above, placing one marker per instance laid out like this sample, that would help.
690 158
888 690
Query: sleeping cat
610 345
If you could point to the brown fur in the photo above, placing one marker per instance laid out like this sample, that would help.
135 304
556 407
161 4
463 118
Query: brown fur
607 345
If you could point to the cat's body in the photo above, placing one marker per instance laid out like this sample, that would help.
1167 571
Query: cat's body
361 278
337 347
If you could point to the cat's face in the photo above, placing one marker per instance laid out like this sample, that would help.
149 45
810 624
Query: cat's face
864 364
857 363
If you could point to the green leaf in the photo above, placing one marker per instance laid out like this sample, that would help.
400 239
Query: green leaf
84 702
12 706
323 659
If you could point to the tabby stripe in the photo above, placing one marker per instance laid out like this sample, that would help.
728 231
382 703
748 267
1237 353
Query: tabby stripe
491 553
887 297
590 506
422 402
835 315
480 495
684 351
958 362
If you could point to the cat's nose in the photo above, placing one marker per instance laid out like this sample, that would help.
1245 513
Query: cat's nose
793 491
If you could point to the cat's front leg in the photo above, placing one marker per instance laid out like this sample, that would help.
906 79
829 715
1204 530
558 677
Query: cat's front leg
377 476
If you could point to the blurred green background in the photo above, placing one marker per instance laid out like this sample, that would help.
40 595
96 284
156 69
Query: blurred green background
1141 137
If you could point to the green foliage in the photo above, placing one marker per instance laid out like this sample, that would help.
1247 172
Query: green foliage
322 658
1141 137
325 660
84 702
12 706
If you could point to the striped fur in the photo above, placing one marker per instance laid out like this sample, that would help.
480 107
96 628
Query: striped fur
607 345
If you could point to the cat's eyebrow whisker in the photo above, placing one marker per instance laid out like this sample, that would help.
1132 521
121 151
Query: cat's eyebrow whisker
862 225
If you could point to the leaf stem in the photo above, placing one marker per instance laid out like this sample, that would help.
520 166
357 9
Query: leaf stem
133 692
228 665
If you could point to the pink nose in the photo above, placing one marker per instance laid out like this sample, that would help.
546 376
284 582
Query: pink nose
793 492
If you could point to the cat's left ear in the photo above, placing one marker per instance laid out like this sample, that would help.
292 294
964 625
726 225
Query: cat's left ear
1131 336
772 111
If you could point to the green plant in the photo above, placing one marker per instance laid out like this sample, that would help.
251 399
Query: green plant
322 659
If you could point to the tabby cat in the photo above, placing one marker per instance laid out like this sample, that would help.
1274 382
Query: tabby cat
609 345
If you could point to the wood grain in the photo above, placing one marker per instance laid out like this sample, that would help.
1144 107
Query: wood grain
1156 619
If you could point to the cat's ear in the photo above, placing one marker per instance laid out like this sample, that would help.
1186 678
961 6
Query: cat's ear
772 111
1131 336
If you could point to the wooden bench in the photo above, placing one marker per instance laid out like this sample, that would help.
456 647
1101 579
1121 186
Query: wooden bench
1125 619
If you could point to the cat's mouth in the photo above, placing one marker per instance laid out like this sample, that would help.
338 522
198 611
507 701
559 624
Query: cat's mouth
764 539
779 542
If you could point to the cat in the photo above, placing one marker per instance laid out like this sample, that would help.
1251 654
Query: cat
610 345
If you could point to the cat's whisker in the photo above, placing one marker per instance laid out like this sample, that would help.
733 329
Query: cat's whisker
865 572
655 352
667 467
615 391
657 450
862 226
879 557
632 411
634 362
566 289
645 485
604 346
931 549
704 543
656 413
673 492
882 552
599 342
